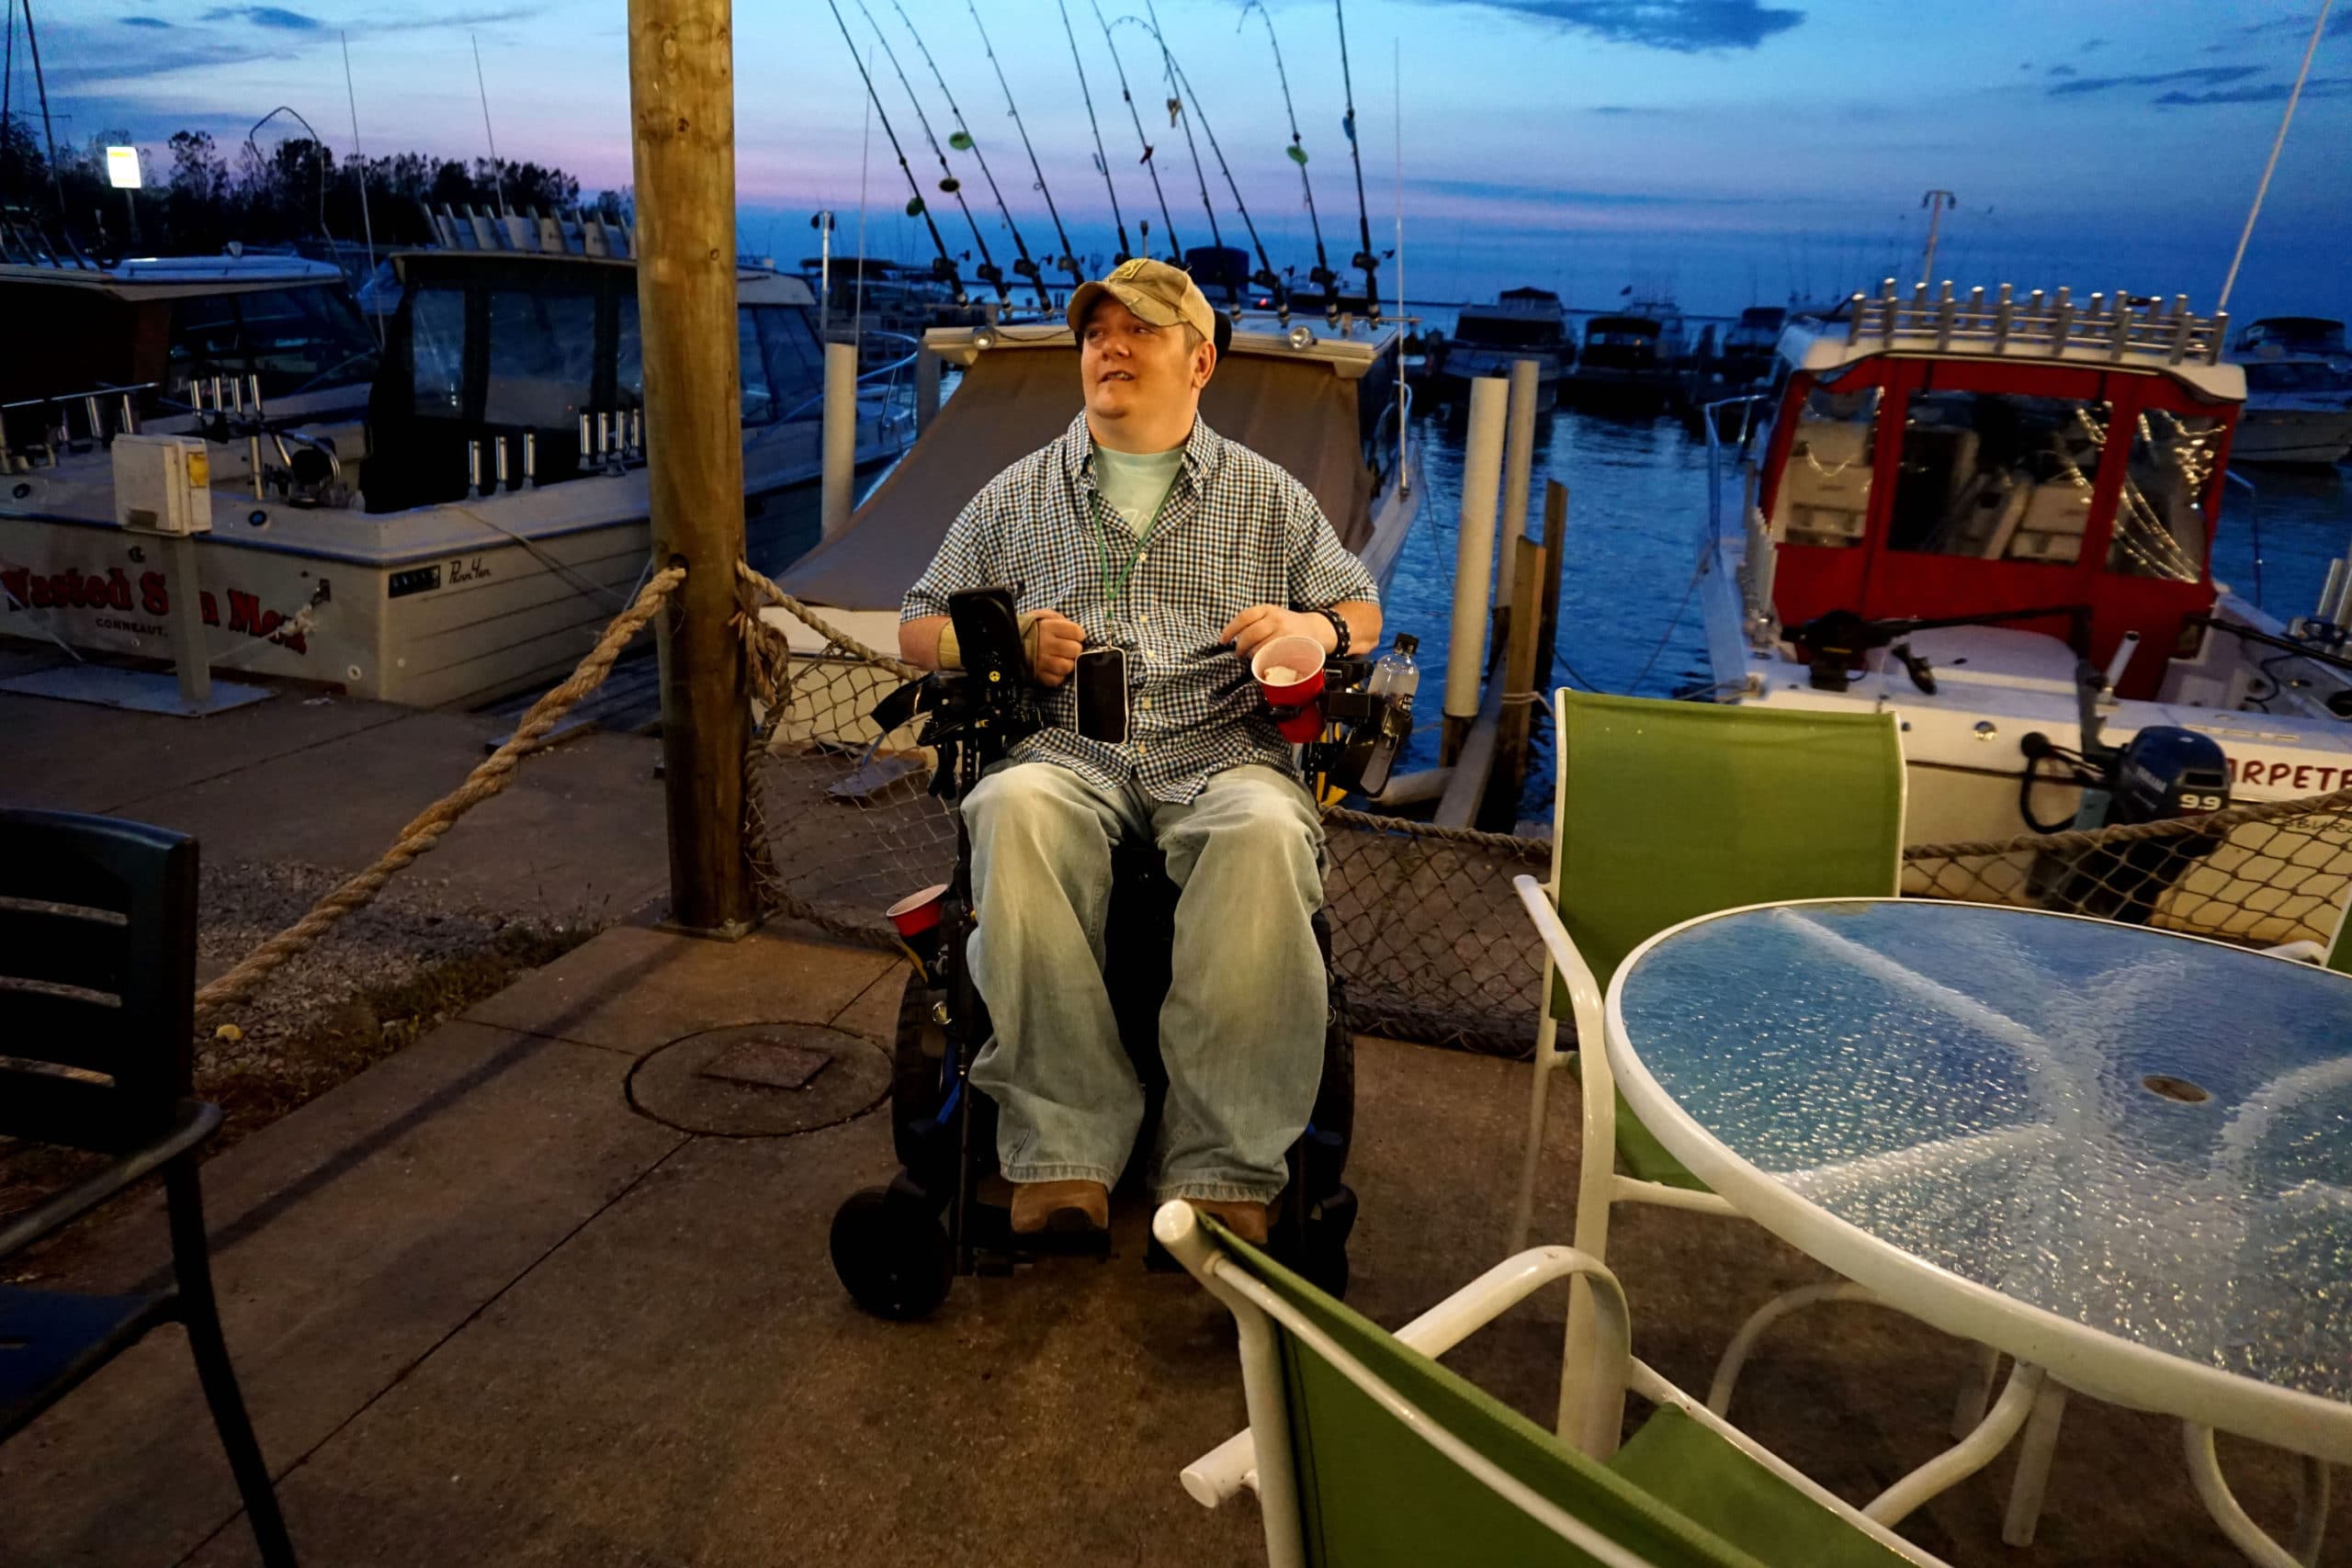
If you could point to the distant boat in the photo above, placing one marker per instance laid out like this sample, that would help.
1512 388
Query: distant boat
1632 360
1522 323
1739 364
2298 392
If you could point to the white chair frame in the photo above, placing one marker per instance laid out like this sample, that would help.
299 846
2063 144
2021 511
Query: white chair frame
1235 1465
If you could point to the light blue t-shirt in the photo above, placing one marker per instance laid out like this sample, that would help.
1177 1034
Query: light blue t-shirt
1134 483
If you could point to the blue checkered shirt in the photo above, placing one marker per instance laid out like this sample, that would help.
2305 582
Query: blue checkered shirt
1235 531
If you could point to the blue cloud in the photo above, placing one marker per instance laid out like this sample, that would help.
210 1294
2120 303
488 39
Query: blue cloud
1683 27
265 17
2064 71
2258 93
2194 76
142 21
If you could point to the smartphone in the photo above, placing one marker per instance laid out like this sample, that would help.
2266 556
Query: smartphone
1101 687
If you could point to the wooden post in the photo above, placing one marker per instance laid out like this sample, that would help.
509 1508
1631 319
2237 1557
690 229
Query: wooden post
682 104
1518 680
1555 543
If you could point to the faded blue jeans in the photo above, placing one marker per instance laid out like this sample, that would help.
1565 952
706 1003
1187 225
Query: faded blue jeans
1241 1031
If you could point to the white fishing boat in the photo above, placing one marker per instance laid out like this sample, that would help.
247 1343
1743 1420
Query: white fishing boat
1522 323
461 527
1994 518
2298 410
1632 360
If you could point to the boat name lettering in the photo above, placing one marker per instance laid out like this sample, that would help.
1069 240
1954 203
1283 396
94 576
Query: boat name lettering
2302 777
467 571
75 589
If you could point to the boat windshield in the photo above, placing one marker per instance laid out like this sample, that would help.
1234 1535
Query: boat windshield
1996 476
1825 491
783 363
1513 332
542 358
297 339
2160 520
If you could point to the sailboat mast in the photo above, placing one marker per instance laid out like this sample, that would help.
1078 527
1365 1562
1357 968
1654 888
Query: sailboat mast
1025 266
1068 262
1363 258
990 273
1102 158
917 206
1175 248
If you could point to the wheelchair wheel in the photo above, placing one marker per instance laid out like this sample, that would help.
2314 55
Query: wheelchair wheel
892 1255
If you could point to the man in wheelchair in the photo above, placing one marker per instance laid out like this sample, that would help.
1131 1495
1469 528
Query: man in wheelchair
1150 559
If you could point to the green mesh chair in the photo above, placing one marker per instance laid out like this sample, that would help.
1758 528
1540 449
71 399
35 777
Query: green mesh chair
1666 811
1365 1453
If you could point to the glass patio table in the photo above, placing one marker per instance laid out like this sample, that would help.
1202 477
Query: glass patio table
2124 1156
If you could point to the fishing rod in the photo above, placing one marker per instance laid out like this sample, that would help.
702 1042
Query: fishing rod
1111 43
916 206
1068 261
1322 275
963 140
1176 114
1266 275
988 271
1363 258
1101 159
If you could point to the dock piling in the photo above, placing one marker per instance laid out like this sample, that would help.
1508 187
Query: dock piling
1519 467
1473 562
841 435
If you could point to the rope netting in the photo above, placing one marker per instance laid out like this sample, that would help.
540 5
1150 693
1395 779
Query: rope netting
1426 928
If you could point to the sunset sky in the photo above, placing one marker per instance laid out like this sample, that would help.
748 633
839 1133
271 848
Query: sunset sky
1726 150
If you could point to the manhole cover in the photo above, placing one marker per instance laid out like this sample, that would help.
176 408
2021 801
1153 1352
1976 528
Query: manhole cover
768 1063
758 1081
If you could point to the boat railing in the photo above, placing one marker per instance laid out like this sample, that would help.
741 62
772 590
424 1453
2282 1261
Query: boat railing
887 375
1763 554
1395 417
2121 328
57 421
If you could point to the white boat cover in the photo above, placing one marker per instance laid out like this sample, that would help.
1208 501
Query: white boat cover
1296 412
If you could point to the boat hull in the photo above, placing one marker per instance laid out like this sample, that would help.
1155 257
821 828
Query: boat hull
2310 437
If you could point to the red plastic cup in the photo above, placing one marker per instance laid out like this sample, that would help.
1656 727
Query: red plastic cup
918 912
1289 673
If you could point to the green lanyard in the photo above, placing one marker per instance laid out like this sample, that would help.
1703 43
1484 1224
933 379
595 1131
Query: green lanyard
1113 587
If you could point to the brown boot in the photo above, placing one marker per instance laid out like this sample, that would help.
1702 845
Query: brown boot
1063 1206
1243 1218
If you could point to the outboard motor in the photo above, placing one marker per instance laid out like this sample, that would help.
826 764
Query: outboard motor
2161 773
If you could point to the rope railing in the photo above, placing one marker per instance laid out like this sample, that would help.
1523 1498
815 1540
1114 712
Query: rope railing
423 831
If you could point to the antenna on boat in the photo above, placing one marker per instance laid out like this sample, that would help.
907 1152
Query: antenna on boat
1937 202
1322 276
1176 114
2319 25
359 174
317 155
41 85
990 273
497 170
1068 258
916 207
1174 246
1266 275
962 139
1101 159
1363 258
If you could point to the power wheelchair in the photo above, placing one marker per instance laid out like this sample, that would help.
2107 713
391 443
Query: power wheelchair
898 1247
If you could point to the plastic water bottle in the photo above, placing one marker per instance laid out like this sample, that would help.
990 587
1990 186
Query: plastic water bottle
1397 677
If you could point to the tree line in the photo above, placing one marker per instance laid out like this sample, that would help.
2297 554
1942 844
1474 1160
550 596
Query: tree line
297 190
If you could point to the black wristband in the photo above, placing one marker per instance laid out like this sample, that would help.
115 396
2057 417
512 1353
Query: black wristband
1339 627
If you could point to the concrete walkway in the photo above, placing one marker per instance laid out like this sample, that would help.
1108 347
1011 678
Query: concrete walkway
496 1302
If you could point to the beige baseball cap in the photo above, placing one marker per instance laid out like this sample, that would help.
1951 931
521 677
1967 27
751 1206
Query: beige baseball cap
1155 292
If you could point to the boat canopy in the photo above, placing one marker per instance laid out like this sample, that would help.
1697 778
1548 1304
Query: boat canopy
2071 466
1294 409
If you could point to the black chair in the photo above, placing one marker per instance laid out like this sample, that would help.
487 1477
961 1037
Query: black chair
97 992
